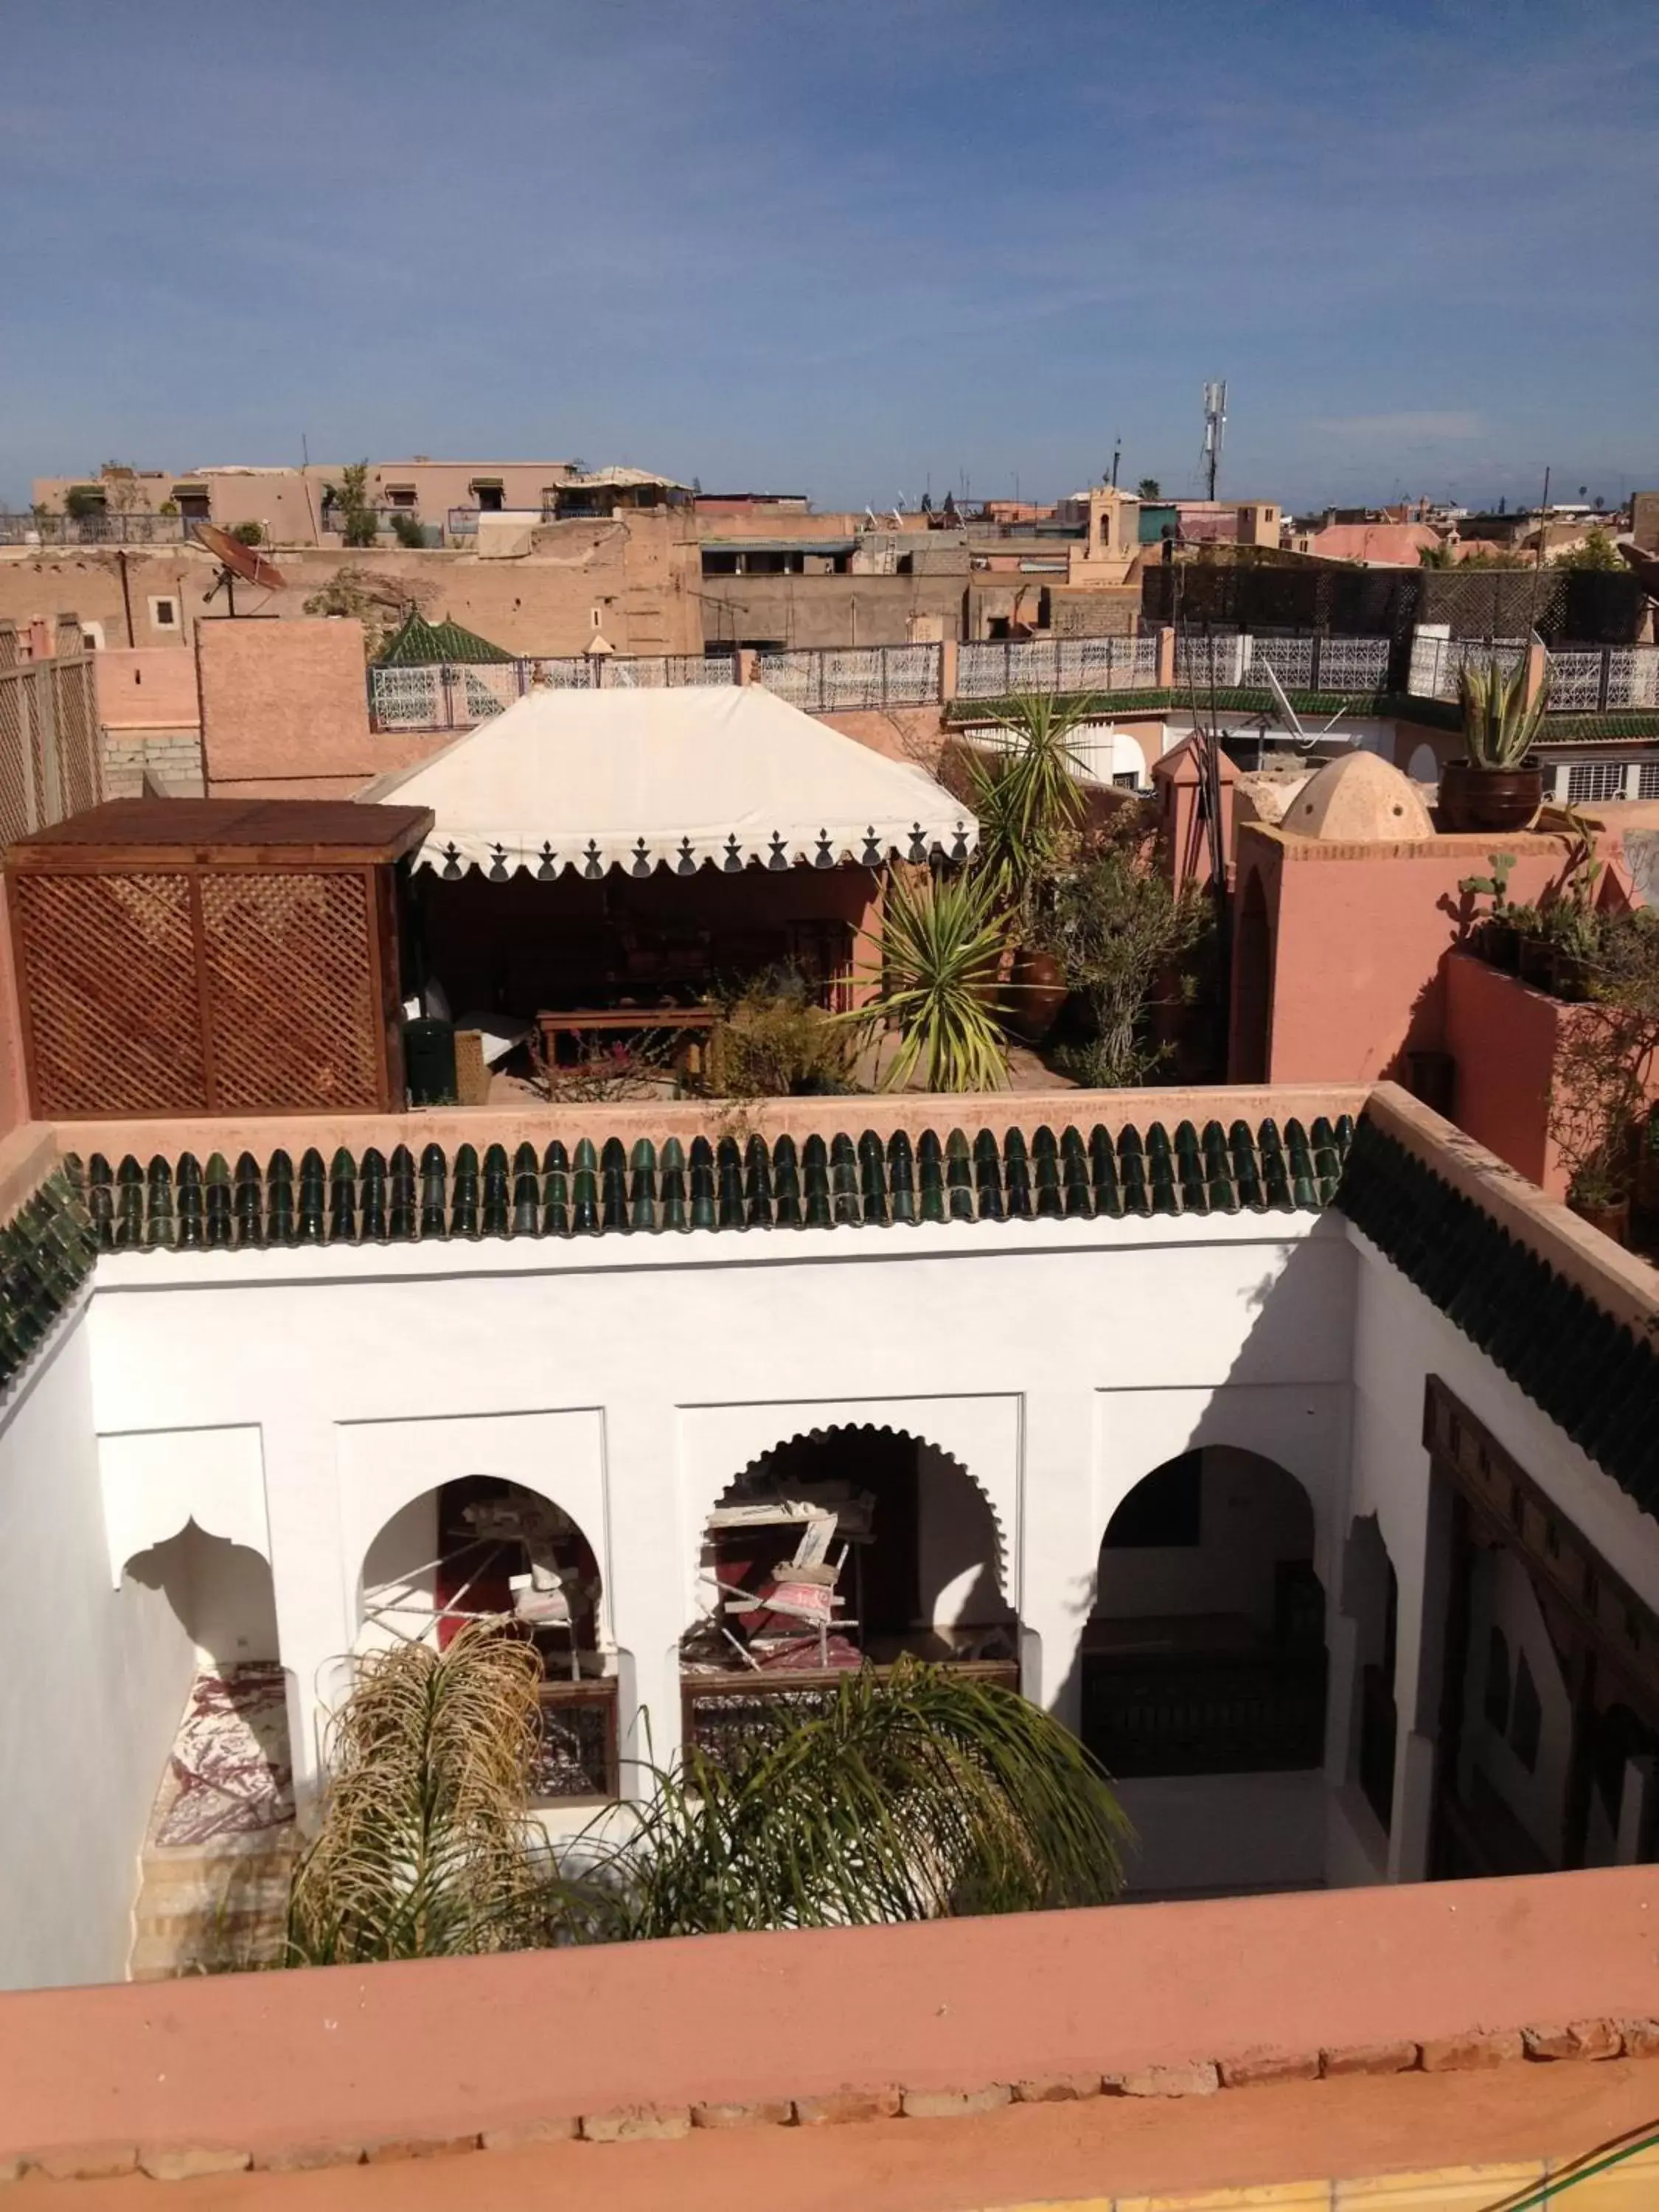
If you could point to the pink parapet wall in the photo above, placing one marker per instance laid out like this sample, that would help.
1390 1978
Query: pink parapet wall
1340 949
454 2047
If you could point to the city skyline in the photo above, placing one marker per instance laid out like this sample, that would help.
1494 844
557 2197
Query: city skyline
853 256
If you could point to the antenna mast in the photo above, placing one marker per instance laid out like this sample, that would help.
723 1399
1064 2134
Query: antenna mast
1215 426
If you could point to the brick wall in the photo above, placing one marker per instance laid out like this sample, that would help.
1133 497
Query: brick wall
283 705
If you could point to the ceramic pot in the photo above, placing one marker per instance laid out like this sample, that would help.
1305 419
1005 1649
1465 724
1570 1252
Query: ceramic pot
1612 1221
1489 799
1036 992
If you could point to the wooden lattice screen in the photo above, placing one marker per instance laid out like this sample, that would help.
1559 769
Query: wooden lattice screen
201 990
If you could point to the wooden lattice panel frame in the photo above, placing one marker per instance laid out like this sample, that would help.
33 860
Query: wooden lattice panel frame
107 974
290 969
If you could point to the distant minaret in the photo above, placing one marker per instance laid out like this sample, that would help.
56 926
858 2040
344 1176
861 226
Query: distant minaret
1215 427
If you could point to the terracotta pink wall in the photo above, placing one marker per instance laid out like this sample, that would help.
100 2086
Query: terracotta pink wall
146 688
252 2061
1504 1038
283 704
1358 940
1507 1039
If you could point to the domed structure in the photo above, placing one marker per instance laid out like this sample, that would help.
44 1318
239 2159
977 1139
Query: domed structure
1358 800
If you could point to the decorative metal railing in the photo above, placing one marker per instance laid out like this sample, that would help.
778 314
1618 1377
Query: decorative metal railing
138 527
726 1716
583 1189
1196 1713
1437 663
460 696
1592 679
997 669
867 676
1320 664
577 1754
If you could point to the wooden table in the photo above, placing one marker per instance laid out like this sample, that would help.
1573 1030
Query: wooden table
601 1021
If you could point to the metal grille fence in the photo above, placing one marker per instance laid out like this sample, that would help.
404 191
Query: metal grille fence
995 669
1438 662
1594 781
666 670
460 696
1591 679
865 676
290 989
575 1754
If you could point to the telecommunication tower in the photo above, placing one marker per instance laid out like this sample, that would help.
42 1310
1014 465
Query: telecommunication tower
1215 427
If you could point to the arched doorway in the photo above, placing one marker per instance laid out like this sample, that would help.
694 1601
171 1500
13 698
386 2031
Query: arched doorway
842 1547
230 1774
482 1549
1204 1674
1424 766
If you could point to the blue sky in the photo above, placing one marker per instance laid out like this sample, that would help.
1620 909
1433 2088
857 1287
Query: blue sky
845 246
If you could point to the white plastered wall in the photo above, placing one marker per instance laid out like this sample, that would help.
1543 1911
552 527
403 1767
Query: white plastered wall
1400 1340
663 1366
94 1683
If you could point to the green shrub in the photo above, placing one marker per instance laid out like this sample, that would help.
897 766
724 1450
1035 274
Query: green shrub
772 1041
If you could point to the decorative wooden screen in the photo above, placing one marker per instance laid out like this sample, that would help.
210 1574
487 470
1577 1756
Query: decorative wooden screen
108 971
290 989
216 990
1590 1606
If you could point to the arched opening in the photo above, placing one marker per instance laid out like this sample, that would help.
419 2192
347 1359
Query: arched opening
1424 766
1204 1651
229 1775
1515 1749
1252 986
848 1546
1370 1597
486 1550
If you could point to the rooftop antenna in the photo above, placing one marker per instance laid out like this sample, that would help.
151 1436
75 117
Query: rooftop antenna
1117 455
236 561
1215 427
1305 740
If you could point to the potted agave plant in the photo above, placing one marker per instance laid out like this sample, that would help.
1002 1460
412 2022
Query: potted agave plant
1497 786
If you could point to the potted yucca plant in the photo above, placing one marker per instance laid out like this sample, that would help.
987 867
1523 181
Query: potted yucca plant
1497 785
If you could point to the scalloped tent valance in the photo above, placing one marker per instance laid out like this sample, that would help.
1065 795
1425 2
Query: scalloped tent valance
680 778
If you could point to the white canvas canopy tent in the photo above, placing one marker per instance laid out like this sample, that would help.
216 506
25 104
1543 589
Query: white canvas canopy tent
675 779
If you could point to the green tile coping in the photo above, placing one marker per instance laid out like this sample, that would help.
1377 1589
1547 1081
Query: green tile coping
47 1250
1594 1377
710 1183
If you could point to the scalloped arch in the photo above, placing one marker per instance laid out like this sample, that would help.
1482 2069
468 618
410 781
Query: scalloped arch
823 1431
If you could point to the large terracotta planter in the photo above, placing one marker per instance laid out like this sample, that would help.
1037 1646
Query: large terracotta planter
1490 798
1036 993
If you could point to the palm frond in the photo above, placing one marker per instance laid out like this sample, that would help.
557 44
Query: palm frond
426 1846
914 1796
941 946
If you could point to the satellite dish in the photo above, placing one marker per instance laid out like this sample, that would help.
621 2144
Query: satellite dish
236 560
